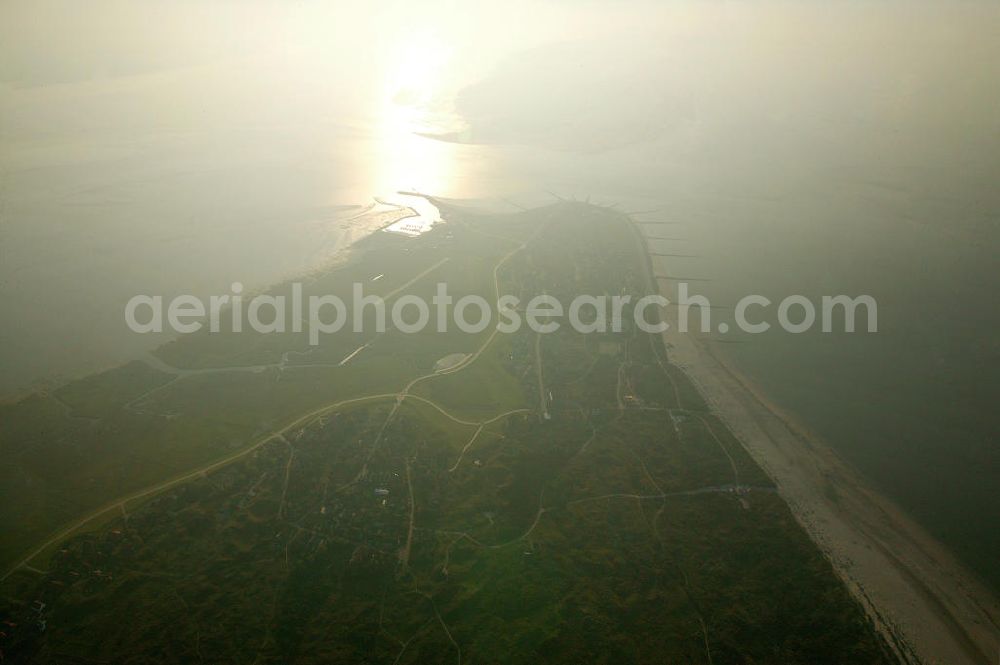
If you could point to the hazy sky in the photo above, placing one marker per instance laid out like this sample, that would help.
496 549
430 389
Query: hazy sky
181 145
866 82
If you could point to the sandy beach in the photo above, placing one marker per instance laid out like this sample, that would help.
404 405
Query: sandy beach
929 608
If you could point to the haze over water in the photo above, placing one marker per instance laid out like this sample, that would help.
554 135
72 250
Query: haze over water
804 148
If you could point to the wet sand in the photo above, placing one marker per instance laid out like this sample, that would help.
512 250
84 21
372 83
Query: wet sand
924 602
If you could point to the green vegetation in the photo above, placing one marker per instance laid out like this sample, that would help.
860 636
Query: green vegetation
559 498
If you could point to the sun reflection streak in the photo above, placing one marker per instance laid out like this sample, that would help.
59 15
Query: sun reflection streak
405 160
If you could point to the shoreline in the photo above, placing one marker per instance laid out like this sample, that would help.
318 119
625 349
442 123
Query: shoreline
353 231
926 605
921 599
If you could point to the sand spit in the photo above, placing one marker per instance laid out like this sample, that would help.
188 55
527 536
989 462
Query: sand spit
927 605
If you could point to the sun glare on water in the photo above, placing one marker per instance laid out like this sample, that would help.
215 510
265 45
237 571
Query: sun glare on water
412 96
